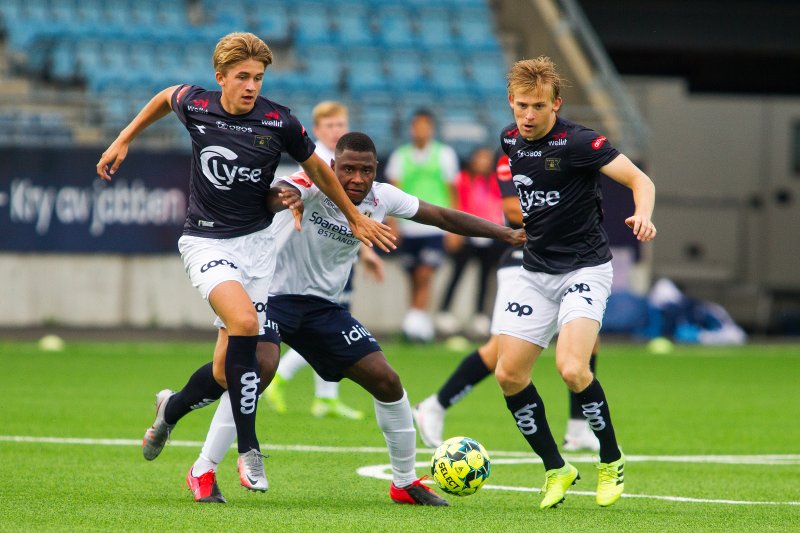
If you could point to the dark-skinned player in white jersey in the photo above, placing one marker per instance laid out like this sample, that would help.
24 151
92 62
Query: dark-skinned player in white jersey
227 246
566 276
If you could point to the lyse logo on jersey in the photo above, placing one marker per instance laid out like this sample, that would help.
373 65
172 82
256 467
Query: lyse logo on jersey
221 174
528 199
519 309
356 334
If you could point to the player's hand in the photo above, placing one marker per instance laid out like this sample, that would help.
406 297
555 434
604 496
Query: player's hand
516 237
642 227
290 197
369 231
114 156
372 262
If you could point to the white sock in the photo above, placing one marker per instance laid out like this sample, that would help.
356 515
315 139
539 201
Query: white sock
221 435
290 363
397 424
326 390
203 465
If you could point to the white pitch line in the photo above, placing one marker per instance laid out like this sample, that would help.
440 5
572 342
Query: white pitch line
497 455
383 472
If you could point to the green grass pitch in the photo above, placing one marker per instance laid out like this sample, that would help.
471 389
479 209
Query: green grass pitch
712 434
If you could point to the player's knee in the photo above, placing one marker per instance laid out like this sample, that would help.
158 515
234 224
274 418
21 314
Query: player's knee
245 324
389 388
577 377
509 380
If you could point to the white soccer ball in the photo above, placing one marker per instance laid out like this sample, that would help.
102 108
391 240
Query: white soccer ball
51 343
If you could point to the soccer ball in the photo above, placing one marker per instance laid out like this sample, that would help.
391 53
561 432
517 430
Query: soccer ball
460 466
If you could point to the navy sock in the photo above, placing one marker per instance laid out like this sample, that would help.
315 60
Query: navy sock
241 374
468 374
528 410
575 410
201 390
595 409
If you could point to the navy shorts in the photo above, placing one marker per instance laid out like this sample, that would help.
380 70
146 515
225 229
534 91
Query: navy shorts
417 251
323 332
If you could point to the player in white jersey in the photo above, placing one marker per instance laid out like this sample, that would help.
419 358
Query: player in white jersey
312 269
330 123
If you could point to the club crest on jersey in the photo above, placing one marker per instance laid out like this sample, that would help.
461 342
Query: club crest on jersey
552 163
262 140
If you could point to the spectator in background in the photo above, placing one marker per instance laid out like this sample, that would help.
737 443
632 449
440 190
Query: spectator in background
477 193
427 169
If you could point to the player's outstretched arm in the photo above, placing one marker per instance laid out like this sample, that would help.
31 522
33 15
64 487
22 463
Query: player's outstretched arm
364 228
281 198
157 108
622 170
465 224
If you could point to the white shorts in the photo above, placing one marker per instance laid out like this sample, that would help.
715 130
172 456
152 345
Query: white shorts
536 304
505 282
249 259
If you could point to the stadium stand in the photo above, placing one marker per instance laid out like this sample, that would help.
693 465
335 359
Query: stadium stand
403 55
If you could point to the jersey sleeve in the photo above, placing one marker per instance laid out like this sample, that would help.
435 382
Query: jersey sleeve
298 180
298 144
591 150
507 187
398 203
181 97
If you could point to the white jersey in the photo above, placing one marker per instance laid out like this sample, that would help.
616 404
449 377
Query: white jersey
317 260
325 153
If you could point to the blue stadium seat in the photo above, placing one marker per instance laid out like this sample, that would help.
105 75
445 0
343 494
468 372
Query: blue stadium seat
312 23
405 70
353 26
435 28
394 27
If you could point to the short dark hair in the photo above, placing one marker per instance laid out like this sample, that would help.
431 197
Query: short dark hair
357 142
423 112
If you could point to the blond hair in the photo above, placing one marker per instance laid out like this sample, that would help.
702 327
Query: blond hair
533 75
327 109
240 46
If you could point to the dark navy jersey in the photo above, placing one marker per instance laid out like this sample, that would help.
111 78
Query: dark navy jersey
557 179
234 158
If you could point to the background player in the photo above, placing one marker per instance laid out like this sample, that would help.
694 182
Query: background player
312 270
227 246
566 276
429 414
425 168
330 123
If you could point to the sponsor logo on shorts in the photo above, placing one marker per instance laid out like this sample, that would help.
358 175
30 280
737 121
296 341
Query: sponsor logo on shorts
217 262
519 309
261 307
580 288
271 324
357 333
